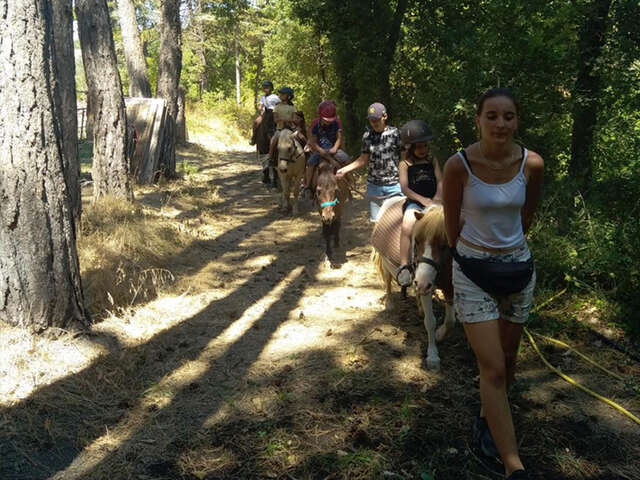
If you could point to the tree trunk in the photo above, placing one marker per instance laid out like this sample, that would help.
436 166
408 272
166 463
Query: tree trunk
586 94
169 69
65 98
392 40
353 122
256 86
235 45
39 274
203 84
110 166
181 124
136 63
170 56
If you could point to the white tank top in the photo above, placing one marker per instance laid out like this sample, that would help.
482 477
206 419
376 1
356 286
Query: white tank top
492 212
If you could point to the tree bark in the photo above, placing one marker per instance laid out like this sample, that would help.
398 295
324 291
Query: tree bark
136 63
40 282
235 47
587 90
110 166
169 69
170 56
198 30
259 66
181 124
392 40
65 98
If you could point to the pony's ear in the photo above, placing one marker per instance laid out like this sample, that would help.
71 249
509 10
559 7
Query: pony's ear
418 214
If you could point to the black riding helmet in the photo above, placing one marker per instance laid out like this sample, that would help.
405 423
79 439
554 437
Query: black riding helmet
415 131
287 90
267 83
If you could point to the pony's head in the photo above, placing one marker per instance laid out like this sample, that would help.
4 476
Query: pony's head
327 191
287 149
427 238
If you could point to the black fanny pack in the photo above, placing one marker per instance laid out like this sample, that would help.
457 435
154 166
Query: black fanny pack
495 277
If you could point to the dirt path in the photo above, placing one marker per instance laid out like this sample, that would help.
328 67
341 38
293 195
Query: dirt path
263 361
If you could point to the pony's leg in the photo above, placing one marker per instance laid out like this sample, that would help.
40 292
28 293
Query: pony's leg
286 189
296 194
336 232
388 279
284 182
433 360
449 322
281 202
326 233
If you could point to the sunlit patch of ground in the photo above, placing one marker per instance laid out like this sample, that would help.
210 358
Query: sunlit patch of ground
256 358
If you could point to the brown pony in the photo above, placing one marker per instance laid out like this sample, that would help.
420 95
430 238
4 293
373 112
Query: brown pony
331 194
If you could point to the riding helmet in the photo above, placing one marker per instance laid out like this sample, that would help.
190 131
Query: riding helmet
415 131
327 110
267 83
287 90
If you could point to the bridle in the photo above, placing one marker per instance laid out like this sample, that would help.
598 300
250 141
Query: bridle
294 158
428 261
332 203
422 259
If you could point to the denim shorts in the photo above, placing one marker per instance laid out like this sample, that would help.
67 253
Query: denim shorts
411 205
473 305
340 155
377 194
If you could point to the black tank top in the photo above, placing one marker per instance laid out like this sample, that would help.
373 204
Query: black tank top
422 179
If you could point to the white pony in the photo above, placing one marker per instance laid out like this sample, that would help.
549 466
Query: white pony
291 165
431 260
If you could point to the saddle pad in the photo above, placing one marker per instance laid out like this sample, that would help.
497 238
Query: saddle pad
386 232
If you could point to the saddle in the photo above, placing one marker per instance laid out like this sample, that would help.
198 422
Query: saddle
387 230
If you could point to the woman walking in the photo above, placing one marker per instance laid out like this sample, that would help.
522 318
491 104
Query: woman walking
490 191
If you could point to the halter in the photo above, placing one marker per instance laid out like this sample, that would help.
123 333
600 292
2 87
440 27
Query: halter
423 259
429 261
329 204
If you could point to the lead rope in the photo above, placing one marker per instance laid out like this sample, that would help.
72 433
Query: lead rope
566 377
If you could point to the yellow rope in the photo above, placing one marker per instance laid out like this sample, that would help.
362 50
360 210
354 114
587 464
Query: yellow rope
578 385
584 357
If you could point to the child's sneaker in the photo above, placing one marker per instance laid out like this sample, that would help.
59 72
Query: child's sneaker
403 276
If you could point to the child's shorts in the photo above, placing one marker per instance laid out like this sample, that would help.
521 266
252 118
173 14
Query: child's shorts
472 304
341 156
411 205
377 194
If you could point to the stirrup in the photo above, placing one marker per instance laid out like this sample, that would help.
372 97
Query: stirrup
402 269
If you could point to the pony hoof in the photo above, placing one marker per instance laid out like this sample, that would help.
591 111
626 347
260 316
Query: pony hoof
433 364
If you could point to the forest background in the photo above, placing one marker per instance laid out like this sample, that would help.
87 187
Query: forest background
574 64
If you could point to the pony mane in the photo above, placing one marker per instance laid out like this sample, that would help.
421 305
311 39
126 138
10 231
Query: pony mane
430 228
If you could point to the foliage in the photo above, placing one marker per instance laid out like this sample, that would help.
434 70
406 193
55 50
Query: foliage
297 56
431 60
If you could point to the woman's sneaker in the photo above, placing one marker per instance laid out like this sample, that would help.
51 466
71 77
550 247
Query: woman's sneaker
518 475
482 439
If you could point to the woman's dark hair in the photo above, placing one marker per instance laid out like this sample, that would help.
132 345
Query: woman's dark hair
497 92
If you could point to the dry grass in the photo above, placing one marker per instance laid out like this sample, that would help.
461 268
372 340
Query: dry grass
124 252
219 130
